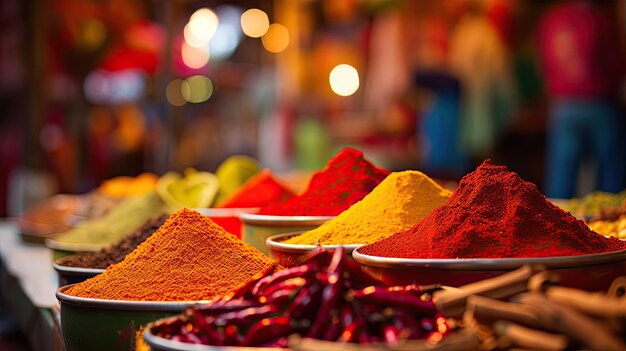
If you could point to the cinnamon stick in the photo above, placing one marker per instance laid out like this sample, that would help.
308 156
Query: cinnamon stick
452 302
515 335
568 321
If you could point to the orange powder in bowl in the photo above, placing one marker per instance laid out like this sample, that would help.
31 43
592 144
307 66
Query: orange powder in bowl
188 258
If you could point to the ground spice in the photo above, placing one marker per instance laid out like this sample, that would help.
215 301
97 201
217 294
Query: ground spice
595 202
129 186
187 258
260 190
616 227
495 214
123 218
346 179
116 253
397 203
52 216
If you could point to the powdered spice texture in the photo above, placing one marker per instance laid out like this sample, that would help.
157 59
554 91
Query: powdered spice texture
187 258
346 179
397 203
260 190
495 214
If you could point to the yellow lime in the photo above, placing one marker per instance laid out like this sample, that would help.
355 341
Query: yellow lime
194 190
233 172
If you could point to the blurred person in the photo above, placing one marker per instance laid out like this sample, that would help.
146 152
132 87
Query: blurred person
438 129
581 60
481 61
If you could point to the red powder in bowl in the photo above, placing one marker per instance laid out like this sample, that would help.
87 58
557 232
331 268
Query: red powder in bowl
495 214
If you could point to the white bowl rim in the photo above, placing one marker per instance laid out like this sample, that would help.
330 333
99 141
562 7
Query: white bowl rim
489 263
252 218
75 247
123 305
160 343
273 244
75 270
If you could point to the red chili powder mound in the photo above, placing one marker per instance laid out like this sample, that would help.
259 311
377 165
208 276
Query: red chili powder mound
345 180
495 214
260 190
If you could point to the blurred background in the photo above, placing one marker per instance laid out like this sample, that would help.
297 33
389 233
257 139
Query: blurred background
92 89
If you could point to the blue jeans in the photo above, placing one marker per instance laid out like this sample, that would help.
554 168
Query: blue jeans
578 128
440 128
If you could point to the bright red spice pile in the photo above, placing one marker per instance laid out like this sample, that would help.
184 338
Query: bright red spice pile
346 179
495 214
260 190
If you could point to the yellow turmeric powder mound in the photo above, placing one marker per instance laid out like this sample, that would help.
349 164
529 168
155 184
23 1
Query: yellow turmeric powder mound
397 203
188 258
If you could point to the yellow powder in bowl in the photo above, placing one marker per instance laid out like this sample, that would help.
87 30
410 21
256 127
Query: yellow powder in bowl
397 203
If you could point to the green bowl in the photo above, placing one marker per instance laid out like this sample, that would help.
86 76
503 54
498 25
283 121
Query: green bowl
72 275
257 228
93 324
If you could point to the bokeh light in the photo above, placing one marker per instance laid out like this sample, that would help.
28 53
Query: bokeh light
203 24
344 80
254 23
276 39
197 89
191 39
194 57
173 92
228 34
92 35
104 87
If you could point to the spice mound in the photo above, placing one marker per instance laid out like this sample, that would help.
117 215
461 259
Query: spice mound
397 203
346 179
612 224
123 218
50 217
327 298
116 253
495 214
129 186
187 258
260 190
594 203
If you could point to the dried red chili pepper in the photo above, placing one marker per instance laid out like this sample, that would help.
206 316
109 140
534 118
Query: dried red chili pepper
305 303
382 296
289 284
331 294
352 331
221 306
294 272
267 330
245 317
355 277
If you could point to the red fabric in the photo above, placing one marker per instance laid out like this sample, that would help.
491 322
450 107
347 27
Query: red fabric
579 54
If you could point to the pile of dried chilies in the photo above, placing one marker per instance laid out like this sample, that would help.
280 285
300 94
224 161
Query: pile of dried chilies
327 298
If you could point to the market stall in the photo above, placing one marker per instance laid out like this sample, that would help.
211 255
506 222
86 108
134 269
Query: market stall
399 263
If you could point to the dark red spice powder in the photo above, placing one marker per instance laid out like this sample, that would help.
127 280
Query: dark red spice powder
345 180
260 190
495 214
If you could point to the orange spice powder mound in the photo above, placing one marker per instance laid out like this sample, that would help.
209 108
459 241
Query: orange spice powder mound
188 258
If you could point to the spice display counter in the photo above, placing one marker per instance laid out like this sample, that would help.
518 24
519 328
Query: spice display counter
27 285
